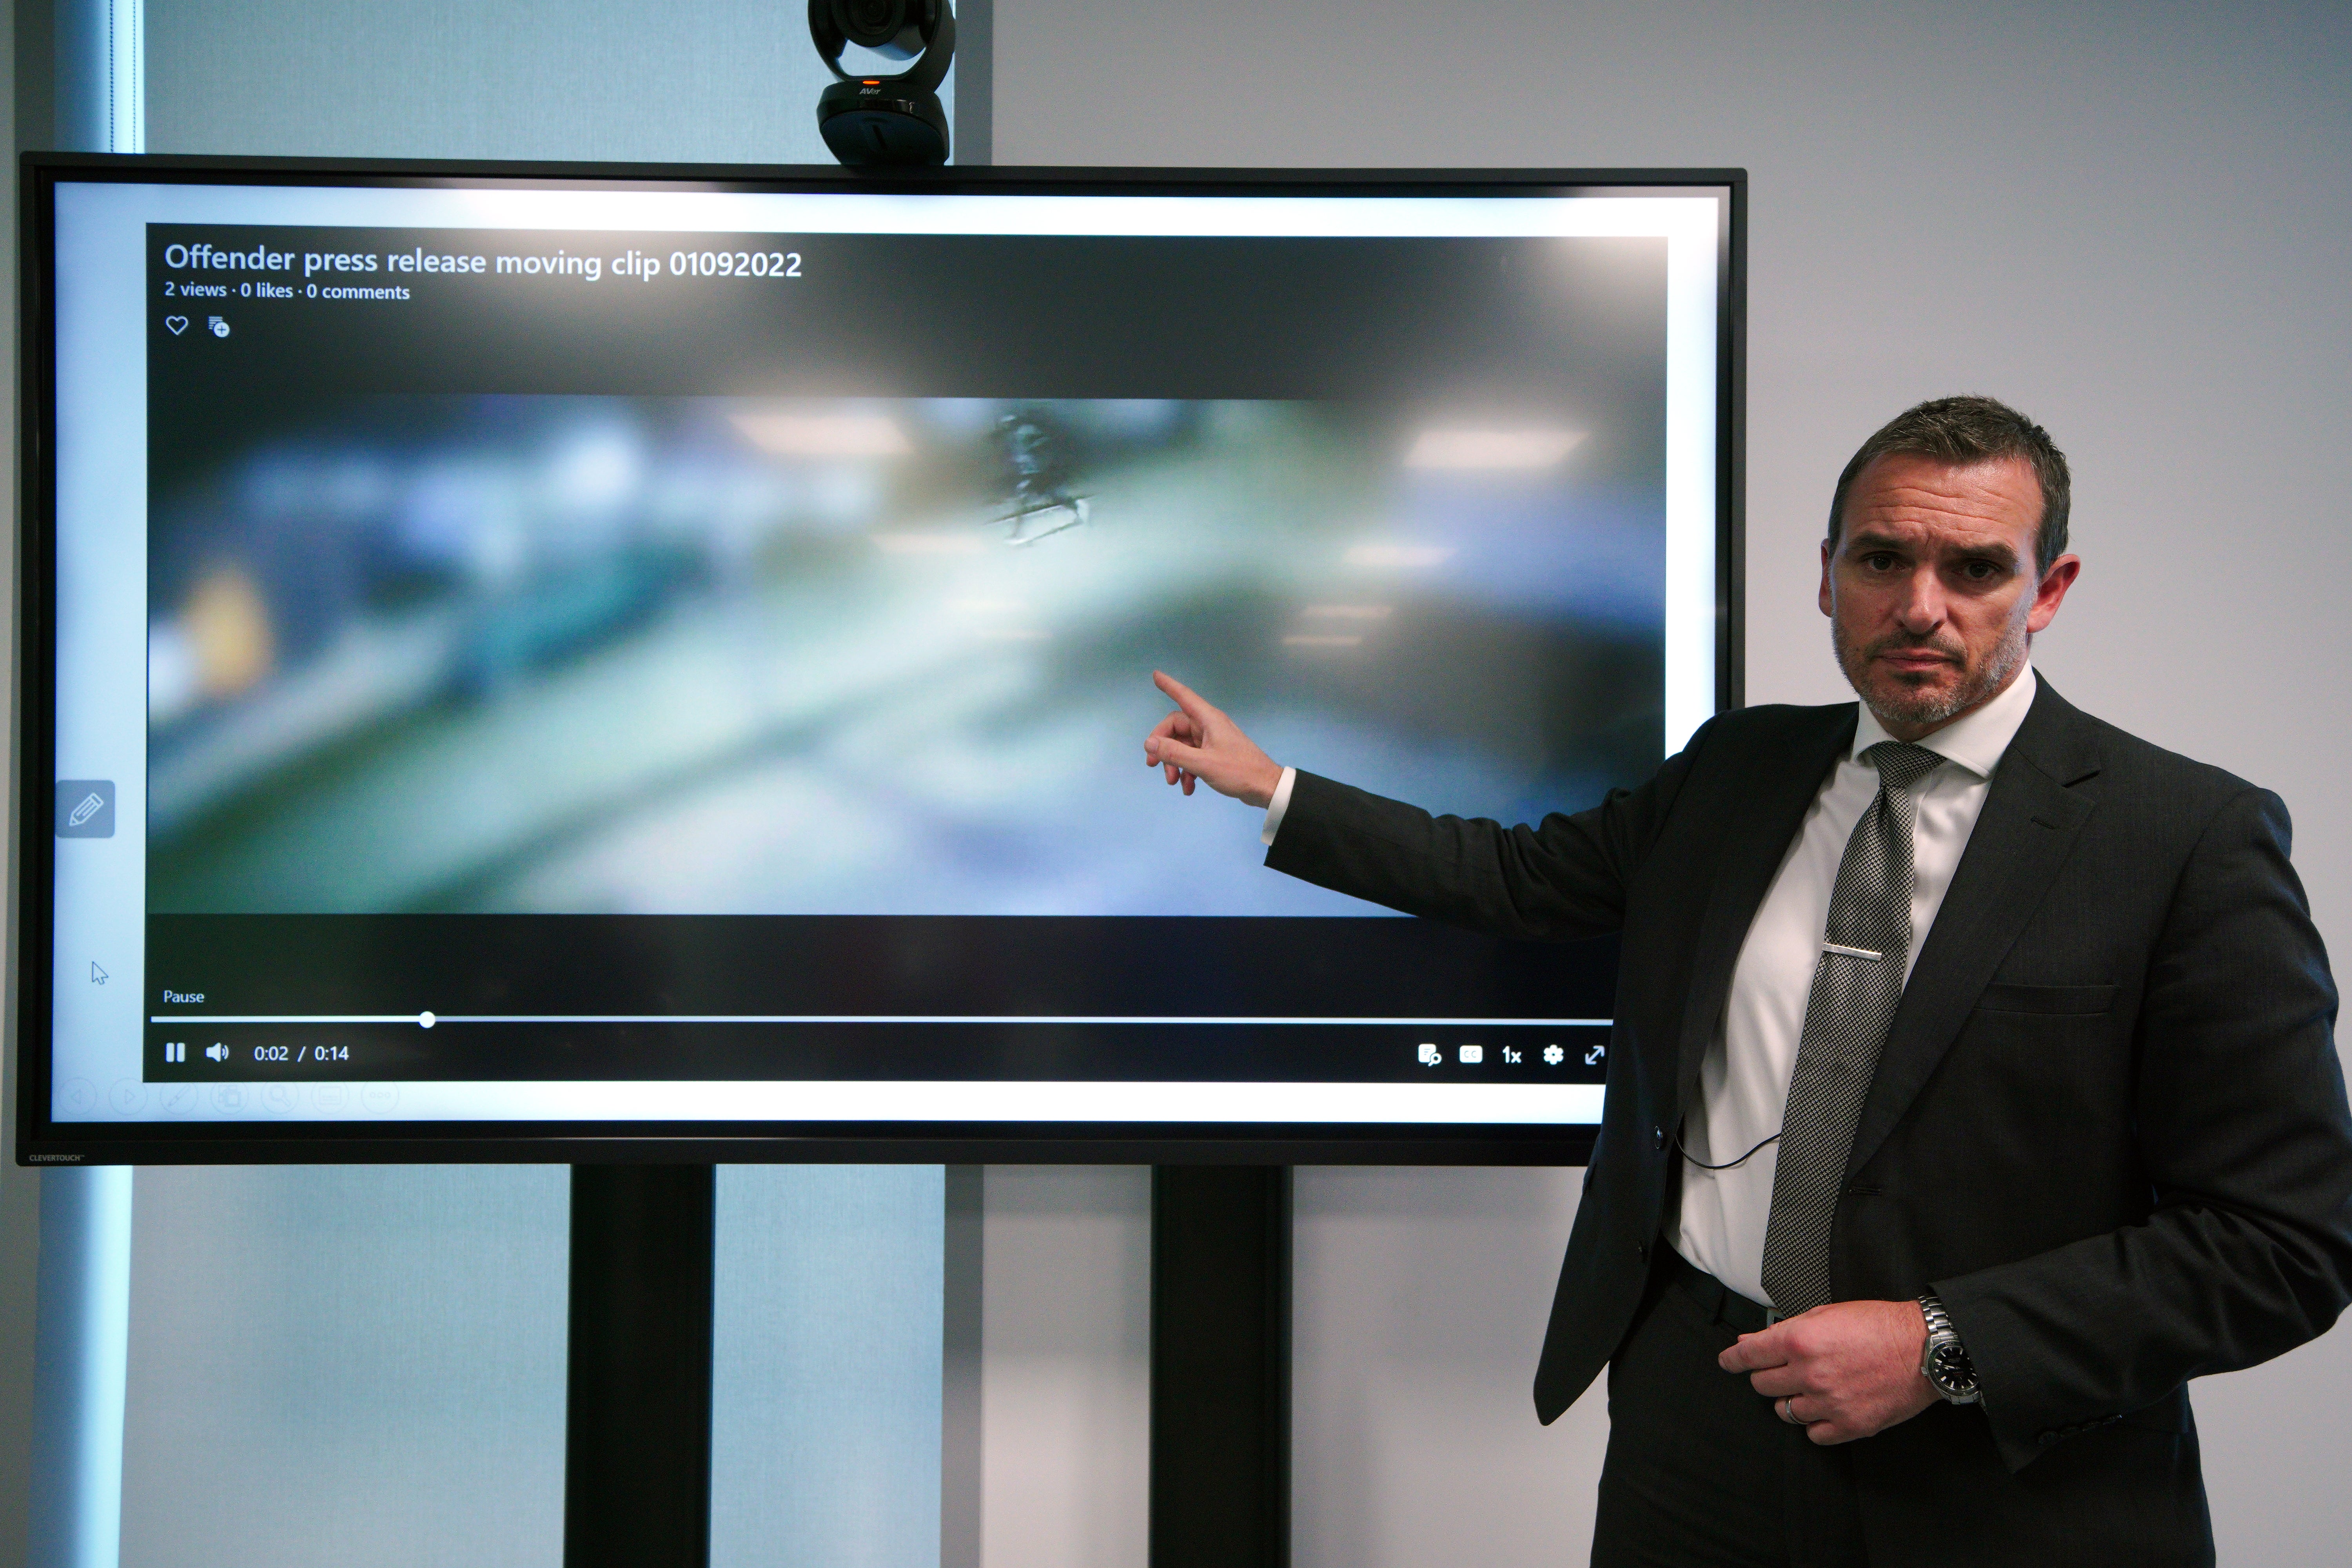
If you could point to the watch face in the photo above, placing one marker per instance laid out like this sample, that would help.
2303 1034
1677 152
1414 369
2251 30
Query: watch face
1948 1369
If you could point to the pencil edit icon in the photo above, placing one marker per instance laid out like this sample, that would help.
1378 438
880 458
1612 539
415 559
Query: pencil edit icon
85 808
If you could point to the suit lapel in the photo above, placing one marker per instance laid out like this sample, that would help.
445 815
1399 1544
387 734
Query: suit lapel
1764 823
2031 816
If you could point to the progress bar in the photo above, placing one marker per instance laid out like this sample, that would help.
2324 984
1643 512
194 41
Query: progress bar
427 1020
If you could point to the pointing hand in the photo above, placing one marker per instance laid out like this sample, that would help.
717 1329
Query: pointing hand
1198 742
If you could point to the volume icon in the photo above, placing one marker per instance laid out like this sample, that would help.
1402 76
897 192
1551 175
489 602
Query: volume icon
216 1052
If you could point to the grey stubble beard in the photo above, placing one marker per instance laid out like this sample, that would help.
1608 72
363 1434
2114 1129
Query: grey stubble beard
1902 707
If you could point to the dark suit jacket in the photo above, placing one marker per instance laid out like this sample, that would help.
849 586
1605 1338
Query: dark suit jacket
2108 1128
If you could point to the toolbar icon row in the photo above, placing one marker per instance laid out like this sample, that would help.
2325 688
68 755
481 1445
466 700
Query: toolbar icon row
1429 1053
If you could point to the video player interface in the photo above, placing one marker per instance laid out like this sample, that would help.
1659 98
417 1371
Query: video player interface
614 656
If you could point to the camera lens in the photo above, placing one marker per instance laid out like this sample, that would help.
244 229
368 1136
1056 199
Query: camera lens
880 25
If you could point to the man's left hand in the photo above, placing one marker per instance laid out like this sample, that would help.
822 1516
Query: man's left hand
1847 1370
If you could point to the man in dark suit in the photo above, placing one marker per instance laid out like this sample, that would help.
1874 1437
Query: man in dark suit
1973 1084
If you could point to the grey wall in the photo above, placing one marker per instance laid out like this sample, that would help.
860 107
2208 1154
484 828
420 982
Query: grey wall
677 81
1065 1366
348 1364
1419 1301
688 81
2129 219
825 1366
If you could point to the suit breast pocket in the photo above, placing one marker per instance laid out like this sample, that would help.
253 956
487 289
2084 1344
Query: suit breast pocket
2047 1001
2049 1060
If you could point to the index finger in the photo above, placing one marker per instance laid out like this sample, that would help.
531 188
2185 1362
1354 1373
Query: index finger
1755 1351
1183 696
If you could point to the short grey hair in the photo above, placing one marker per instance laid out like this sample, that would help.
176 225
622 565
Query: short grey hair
1964 431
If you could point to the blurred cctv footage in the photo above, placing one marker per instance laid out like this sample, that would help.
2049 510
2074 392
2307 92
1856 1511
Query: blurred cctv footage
627 655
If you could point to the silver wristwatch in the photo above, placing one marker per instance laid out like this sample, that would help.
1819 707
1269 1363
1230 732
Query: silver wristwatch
1946 1364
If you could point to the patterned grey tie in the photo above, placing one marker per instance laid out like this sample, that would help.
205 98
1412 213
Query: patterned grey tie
1856 984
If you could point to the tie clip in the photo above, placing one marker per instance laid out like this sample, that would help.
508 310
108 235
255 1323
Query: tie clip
1850 951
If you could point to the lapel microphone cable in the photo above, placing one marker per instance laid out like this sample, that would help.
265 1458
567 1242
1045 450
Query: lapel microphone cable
1703 1165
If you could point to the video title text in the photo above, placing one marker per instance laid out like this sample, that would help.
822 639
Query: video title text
205 258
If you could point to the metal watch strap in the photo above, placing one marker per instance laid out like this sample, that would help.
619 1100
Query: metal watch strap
1941 1333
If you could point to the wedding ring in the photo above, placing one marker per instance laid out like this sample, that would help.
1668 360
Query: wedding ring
1782 1406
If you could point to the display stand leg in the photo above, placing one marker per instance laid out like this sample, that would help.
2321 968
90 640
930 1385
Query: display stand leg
1220 1489
637 1478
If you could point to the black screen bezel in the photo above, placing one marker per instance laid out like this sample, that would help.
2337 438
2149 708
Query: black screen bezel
42 1141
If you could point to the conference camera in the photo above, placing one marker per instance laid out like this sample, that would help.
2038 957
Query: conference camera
870 120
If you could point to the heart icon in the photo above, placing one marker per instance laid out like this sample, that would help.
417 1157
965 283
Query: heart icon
175 325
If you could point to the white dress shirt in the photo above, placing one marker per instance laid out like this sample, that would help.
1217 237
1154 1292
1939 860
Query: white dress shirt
1277 807
1744 1078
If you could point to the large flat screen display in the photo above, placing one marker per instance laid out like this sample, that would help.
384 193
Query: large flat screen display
548 663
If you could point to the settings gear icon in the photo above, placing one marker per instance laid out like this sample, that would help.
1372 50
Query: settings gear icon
1554 1056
